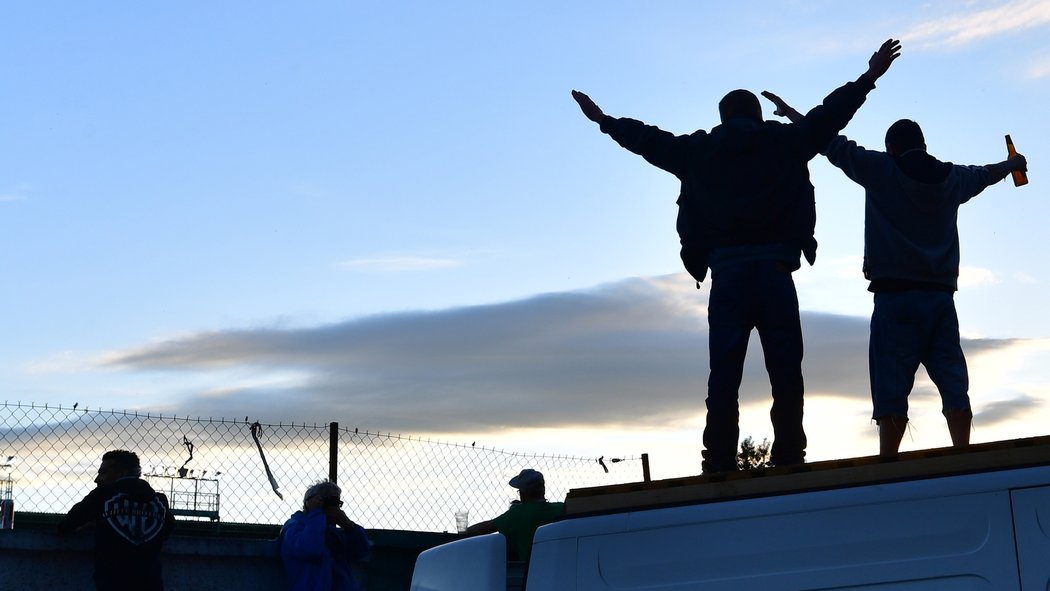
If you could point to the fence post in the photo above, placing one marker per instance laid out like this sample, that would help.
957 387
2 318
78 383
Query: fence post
333 451
645 468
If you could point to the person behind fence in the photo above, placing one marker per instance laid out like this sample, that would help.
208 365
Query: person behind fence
320 543
746 211
519 523
131 522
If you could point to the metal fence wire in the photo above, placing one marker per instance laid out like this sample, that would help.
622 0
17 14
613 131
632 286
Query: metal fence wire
217 468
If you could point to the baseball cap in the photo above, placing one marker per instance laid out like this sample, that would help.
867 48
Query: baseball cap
527 478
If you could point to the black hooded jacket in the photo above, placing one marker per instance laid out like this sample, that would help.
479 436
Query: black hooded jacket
746 182
131 522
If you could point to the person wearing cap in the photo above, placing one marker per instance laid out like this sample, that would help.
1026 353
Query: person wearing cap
519 523
320 543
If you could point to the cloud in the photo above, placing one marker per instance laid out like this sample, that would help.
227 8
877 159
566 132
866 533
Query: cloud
1040 69
1027 278
1003 411
632 353
400 263
974 276
960 29
64 362
17 192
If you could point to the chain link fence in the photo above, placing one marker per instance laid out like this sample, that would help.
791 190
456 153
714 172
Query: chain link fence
238 470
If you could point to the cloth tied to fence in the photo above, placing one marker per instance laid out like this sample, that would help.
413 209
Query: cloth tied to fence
256 429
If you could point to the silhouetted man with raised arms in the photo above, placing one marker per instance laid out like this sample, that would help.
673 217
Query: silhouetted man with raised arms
911 258
746 212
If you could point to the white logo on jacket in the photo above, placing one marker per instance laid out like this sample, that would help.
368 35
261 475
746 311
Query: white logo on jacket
137 522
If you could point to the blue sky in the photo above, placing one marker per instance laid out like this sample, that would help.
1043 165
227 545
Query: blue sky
394 215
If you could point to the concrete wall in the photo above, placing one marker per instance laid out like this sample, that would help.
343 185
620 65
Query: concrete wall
36 557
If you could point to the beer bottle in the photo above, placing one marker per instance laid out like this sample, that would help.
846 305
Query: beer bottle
1020 177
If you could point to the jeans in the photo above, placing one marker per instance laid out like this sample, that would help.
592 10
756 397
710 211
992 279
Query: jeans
909 328
759 295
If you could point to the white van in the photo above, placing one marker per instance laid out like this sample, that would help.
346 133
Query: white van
933 520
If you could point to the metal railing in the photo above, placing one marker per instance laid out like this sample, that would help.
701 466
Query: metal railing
218 468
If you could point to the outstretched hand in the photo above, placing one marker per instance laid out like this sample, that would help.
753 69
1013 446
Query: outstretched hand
880 60
782 107
1000 170
590 110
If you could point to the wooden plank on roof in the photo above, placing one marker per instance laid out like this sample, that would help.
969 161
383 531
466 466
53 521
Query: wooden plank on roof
831 474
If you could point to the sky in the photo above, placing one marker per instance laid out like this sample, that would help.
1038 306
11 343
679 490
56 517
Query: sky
393 214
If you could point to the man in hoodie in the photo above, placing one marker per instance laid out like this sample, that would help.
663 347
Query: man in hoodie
746 211
320 543
911 258
131 522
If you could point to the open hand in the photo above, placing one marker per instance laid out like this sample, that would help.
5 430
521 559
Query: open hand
880 60
590 110
782 108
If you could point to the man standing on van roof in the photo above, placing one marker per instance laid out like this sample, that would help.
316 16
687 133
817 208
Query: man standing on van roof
911 258
746 211
519 523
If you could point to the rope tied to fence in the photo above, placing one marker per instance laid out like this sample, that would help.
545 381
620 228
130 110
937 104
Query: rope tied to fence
256 429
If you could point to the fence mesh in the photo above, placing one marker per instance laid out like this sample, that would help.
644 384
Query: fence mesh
213 468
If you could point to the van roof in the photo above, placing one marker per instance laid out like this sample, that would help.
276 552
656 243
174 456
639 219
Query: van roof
830 474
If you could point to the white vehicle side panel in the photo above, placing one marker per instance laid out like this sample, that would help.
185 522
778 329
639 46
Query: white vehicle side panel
1032 530
471 564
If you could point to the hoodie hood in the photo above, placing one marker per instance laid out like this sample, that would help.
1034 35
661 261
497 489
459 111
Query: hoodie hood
919 166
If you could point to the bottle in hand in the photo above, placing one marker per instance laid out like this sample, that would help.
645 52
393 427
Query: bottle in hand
1020 177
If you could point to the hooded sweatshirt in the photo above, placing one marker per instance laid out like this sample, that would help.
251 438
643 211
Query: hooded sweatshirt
131 522
911 206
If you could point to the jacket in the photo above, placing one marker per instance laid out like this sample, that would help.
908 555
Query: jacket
911 207
131 523
318 556
745 183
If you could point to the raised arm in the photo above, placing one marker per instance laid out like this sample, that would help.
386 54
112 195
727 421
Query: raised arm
660 148
878 64
816 128
999 170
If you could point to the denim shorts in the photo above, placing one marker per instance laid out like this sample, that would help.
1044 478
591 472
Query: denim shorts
909 328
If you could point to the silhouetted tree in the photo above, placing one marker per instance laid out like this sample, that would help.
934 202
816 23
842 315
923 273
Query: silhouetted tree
753 456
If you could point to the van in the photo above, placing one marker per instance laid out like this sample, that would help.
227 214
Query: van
947 519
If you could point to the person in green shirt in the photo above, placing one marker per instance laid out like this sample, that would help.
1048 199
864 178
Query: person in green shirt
519 523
